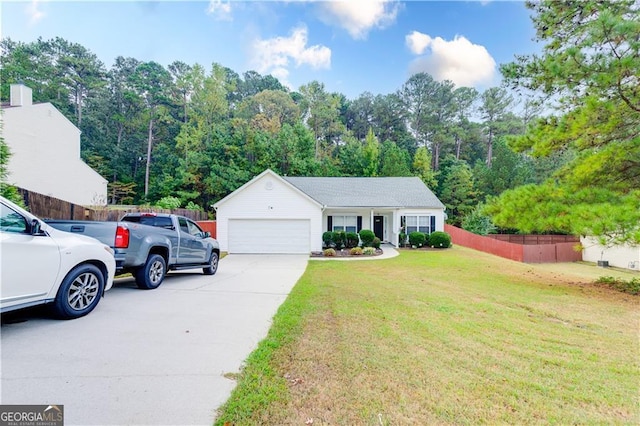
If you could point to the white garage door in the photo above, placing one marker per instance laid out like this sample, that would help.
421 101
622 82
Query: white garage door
269 236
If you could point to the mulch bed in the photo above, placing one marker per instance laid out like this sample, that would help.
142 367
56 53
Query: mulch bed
345 253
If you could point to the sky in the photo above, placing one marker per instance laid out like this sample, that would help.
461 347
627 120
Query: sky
351 47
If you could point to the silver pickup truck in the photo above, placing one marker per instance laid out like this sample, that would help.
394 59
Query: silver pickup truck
149 244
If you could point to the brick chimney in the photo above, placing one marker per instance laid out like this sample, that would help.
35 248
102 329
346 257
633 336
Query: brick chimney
21 95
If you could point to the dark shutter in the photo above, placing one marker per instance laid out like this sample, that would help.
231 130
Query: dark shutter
359 228
433 224
329 223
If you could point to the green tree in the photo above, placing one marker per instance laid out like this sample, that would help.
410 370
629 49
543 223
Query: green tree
430 110
458 192
589 66
351 157
153 83
322 114
422 167
464 98
371 155
495 102
509 170
394 160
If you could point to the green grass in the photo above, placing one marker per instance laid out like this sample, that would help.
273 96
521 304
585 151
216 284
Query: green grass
443 337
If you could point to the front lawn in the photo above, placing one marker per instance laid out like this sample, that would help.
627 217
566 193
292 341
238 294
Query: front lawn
442 337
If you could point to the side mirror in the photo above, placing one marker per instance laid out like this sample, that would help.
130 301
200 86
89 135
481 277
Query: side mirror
35 227
205 234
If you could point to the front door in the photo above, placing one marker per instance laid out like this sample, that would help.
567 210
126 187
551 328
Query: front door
378 227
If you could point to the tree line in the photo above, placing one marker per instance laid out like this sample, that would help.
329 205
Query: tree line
192 134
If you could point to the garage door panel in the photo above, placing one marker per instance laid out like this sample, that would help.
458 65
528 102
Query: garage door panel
269 236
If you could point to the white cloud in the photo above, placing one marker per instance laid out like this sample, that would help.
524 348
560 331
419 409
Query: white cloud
358 17
220 10
417 42
458 60
34 13
274 55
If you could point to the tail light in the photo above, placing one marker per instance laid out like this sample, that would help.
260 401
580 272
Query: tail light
122 237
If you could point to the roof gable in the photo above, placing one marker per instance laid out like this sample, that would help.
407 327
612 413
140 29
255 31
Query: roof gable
271 173
367 191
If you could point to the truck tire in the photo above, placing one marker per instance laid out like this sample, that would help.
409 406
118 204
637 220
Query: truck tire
79 292
150 275
212 268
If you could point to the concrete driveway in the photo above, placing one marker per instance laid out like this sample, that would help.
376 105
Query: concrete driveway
148 357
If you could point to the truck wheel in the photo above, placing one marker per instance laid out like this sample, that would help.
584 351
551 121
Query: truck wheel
150 276
213 264
79 293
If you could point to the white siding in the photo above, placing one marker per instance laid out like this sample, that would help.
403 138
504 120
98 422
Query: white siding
45 155
622 256
269 197
392 218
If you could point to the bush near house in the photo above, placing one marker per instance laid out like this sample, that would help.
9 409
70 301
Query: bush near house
367 236
329 252
327 239
339 239
368 251
352 239
376 243
440 239
356 251
417 239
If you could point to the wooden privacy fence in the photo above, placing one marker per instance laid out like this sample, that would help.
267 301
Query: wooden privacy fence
527 253
47 207
534 239
209 225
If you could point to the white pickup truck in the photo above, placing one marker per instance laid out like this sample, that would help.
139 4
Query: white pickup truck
40 264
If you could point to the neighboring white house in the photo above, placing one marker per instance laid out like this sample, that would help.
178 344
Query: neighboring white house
274 214
45 152
620 256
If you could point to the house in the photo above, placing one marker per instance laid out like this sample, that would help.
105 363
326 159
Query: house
621 255
45 152
276 214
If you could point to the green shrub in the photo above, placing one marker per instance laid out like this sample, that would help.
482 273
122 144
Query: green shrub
329 252
417 239
352 239
440 239
367 236
169 202
632 286
356 251
402 239
193 206
376 243
339 239
369 251
327 238
478 223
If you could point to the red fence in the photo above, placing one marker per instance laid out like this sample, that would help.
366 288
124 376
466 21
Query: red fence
529 253
209 225
534 239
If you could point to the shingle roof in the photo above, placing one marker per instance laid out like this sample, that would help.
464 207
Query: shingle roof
367 191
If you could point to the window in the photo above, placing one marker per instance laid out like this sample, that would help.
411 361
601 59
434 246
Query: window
183 224
193 228
11 221
417 223
345 223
